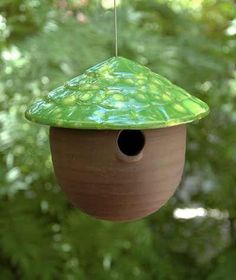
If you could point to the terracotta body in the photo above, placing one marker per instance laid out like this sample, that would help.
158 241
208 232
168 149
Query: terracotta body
103 182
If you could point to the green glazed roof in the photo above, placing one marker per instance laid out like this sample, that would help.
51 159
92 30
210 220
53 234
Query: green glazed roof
117 94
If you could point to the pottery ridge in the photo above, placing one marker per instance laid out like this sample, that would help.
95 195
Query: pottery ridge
117 94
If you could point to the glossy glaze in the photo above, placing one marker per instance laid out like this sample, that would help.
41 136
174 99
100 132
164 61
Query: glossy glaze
117 94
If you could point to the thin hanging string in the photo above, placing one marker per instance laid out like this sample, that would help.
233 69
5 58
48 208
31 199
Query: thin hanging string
116 28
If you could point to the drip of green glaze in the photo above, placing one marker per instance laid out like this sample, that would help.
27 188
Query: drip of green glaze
117 94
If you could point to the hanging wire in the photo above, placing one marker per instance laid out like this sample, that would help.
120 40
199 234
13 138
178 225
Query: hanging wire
116 28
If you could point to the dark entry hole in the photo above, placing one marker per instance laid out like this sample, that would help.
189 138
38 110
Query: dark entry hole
131 142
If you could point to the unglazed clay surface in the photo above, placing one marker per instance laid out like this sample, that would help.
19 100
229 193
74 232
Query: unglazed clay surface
96 179
117 94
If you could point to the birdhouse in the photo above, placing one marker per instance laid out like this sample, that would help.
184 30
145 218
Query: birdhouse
118 138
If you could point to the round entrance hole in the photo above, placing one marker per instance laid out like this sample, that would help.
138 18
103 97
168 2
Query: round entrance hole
131 142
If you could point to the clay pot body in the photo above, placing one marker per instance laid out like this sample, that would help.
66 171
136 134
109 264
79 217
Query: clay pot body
107 184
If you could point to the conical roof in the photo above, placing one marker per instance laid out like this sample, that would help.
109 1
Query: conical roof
117 94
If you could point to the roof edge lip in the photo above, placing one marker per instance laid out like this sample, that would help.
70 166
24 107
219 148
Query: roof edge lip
118 126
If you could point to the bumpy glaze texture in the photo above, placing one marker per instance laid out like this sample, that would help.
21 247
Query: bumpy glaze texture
117 94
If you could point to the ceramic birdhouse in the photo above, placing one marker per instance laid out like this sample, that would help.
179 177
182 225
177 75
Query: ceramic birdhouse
118 138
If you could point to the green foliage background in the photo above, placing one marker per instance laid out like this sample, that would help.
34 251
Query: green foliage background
43 44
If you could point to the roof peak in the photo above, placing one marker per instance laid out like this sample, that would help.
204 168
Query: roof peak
118 64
